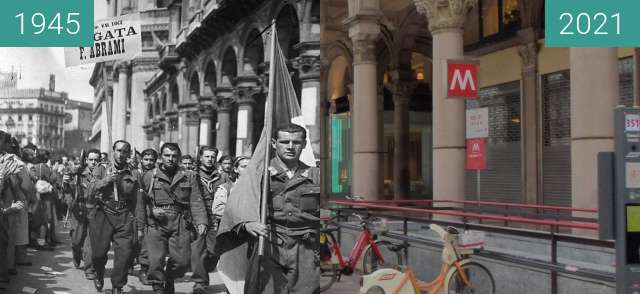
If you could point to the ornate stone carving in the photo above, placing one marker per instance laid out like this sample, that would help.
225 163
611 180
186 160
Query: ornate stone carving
145 65
402 91
445 14
121 66
224 104
192 117
206 111
529 55
245 94
308 66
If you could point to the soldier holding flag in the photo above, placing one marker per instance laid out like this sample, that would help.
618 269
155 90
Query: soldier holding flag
276 200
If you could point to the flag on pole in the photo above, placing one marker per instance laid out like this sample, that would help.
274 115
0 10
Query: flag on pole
244 203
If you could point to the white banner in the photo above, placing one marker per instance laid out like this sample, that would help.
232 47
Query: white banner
478 123
117 38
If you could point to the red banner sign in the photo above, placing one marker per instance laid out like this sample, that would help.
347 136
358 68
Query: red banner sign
476 154
462 79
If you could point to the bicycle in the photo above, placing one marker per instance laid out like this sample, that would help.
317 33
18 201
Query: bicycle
458 273
375 254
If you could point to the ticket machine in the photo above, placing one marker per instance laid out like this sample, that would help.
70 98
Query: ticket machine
619 203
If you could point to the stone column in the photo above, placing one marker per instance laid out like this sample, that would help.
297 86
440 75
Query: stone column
367 175
244 136
156 137
206 121
142 72
402 91
183 134
446 21
224 125
594 94
529 124
119 108
192 123
309 67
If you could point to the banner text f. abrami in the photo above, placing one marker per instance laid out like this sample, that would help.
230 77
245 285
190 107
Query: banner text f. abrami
114 39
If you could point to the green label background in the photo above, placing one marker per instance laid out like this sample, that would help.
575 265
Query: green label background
629 23
10 25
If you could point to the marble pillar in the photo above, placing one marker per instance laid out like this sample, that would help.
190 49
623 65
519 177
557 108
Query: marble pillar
367 168
446 22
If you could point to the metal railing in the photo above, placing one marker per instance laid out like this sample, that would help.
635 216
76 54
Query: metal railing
398 210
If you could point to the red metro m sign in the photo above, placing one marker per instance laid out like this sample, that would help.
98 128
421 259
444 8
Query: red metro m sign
462 79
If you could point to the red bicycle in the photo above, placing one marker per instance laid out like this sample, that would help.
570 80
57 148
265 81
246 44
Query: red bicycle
375 254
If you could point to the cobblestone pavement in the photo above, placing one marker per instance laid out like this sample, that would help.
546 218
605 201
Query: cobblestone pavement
53 272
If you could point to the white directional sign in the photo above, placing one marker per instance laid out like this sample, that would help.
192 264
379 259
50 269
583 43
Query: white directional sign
477 123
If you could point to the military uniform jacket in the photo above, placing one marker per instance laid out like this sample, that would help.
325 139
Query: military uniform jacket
209 183
295 201
101 191
86 177
182 191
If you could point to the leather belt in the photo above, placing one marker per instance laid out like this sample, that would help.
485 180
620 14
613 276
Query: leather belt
171 208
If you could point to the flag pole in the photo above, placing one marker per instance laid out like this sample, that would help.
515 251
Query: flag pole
268 126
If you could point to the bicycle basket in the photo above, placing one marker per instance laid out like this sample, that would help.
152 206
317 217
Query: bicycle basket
379 226
470 240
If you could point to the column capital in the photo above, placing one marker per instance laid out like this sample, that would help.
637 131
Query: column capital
122 67
308 66
402 91
224 104
192 117
245 94
529 55
206 111
363 31
445 15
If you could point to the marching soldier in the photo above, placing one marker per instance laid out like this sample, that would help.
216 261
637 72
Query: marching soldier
202 259
174 210
147 163
116 195
80 223
292 263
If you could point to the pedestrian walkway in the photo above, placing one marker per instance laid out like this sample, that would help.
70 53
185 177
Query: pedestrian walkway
347 285
53 272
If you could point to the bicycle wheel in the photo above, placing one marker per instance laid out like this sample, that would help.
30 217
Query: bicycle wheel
391 255
479 277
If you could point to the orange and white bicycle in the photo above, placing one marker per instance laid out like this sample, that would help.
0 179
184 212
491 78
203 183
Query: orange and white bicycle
458 273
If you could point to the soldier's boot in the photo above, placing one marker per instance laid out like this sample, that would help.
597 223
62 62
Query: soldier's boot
199 288
77 256
144 279
98 282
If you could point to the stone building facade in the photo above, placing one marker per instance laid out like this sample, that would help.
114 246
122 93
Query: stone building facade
33 115
212 84
77 126
389 132
122 83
